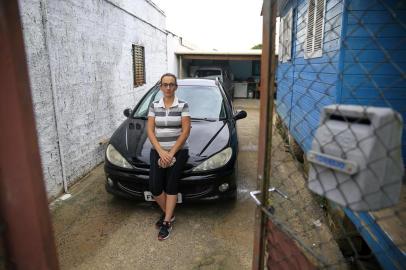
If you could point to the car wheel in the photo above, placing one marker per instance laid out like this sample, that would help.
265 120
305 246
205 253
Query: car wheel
233 195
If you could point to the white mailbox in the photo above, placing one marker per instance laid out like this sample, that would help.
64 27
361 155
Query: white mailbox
356 158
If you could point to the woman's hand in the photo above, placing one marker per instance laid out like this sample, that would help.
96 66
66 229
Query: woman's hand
166 157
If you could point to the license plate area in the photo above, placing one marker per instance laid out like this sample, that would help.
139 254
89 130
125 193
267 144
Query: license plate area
150 198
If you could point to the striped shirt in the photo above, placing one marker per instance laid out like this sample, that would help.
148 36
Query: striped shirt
168 122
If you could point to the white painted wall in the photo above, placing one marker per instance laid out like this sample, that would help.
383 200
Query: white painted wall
175 44
80 67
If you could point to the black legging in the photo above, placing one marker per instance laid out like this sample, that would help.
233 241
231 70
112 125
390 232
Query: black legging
166 179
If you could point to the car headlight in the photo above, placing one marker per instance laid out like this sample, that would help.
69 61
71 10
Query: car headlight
116 158
216 161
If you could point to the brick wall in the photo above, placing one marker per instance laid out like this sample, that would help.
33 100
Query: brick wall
80 67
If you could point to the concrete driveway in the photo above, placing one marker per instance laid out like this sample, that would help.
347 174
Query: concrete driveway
94 230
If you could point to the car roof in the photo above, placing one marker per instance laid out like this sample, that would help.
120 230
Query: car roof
200 82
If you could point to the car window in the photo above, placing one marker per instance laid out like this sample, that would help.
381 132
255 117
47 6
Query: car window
204 101
143 108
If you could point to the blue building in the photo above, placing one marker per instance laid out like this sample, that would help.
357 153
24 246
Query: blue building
353 52
347 52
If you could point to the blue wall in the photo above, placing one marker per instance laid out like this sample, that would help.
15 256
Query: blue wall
284 78
374 55
305 86
366 66
363 62
284 92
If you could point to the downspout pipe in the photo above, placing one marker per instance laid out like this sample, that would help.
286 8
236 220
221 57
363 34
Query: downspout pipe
49 49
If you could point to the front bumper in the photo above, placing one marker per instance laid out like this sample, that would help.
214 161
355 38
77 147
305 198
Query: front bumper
132 185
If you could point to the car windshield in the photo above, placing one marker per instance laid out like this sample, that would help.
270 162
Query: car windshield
205 102
207 73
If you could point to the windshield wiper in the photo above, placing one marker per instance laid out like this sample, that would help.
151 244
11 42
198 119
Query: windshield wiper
141 117
204 119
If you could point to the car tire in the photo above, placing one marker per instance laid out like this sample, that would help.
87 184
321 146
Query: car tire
233 194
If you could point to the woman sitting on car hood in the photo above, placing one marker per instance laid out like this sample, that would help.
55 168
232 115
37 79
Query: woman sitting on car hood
168 129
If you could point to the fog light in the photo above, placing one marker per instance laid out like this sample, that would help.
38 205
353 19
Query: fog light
110 182
223 187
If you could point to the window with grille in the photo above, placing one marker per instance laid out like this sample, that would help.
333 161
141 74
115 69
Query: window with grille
138 65
315 29
285 37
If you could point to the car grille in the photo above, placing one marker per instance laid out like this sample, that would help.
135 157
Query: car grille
191 191
132 188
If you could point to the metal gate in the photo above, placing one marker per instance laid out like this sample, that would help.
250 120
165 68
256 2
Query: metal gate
331 189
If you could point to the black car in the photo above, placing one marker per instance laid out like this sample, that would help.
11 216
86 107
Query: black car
210 172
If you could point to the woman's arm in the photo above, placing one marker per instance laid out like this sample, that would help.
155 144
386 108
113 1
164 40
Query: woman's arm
182 137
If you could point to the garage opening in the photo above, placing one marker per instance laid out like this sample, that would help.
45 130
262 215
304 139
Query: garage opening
238 72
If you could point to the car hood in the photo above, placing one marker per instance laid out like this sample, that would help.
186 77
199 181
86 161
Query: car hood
206 138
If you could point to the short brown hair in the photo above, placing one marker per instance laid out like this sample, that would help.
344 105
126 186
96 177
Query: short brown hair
169 75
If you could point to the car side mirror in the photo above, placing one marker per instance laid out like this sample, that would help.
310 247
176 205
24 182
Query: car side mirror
240 115
127 112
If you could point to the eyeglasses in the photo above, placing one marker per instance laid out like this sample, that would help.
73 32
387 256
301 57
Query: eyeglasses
165 85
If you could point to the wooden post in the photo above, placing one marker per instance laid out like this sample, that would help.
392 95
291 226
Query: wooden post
265 126
28 236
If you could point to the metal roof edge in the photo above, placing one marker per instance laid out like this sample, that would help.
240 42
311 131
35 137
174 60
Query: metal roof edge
250 52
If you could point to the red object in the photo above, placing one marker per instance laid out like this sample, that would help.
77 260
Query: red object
283 253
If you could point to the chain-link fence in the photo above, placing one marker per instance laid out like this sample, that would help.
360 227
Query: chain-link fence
338 136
